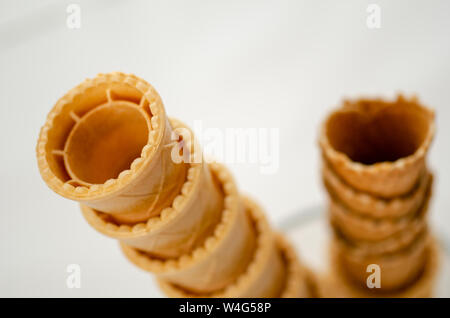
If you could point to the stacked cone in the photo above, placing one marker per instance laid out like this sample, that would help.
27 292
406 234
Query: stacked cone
140 179
374 170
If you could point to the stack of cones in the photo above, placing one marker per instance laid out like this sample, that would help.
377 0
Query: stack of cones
379 186
140 178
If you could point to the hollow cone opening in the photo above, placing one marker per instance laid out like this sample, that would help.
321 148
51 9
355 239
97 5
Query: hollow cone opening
373 131
105 141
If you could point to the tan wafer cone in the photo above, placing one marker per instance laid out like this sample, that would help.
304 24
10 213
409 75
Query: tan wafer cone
220 259
257 279
336 284
300 281
184 225
109 145
111 116
391 244
372 206
377 146
359 227
398 267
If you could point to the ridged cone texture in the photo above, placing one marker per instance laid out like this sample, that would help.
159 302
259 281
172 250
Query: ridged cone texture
374 170
174 215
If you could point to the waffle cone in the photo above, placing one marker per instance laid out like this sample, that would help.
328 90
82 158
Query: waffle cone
391 244
371 206
300 280
378 147
217 262
186 223
336 284
261 279
140 178
83 131
398 268
358 227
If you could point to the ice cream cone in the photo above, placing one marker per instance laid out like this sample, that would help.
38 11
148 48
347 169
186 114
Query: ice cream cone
398 267
300 281
184 225
336 284
371 206
104 144
359 227
391 244
261 279
378 147
140 178
220 259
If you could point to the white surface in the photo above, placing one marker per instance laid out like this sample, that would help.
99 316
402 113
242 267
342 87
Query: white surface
228 63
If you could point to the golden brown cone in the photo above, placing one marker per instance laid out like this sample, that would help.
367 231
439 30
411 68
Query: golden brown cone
300 280
175 219
398 268
371 206
185 224
108 116
218 261
376 146
358 227
260 278
335 284
391 244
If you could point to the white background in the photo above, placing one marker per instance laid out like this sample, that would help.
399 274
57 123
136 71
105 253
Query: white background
281 64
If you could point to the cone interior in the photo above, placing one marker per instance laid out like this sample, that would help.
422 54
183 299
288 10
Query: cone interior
374 131
105 142
97 134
